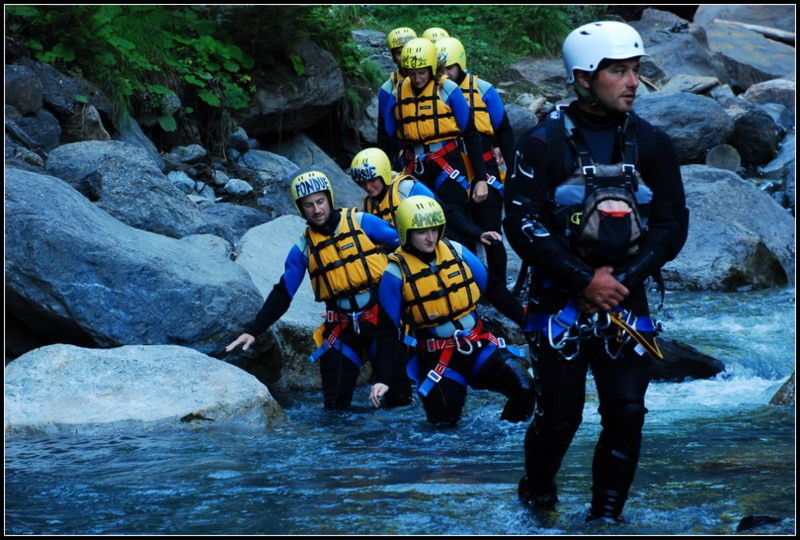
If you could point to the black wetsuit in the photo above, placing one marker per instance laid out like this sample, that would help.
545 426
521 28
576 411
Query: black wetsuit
559 275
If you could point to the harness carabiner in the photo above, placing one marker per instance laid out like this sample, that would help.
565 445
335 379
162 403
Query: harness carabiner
354 316
419 166
456 336
598 328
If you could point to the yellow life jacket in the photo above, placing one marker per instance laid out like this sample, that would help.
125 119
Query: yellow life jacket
424 118
474 97
344 264
387 207
437 293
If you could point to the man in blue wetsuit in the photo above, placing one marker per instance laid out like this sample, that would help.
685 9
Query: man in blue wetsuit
431 288
594 206
342 251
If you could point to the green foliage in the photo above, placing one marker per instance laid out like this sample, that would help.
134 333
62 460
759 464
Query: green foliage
139 54
494 36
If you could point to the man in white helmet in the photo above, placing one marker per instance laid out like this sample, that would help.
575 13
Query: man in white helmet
594 206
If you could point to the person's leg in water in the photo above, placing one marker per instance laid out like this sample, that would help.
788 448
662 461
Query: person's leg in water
548 437
339 376
621 386
505 373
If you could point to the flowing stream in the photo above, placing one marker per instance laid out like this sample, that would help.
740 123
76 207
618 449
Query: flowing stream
715 453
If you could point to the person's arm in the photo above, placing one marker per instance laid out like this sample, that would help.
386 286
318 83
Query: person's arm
378 230
527 224
494 289
503 133
389 344
384 140
469 133
277 302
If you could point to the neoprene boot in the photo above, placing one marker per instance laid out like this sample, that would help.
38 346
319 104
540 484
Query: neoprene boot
544 500
606 504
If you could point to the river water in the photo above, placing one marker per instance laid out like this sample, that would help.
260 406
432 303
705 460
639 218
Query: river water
715 453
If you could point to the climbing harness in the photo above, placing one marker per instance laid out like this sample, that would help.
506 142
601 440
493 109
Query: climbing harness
566 329
343 320
463 342
416 163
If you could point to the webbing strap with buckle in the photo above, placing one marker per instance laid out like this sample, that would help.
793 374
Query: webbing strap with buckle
449 345
344 320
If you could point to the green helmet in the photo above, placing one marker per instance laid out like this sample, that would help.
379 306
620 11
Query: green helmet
451 51
307 183
399 37
419 53
418 212
371 163
435 34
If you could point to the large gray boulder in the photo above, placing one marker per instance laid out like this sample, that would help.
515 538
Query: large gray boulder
77 275
69 389
131 186
695 123
739 236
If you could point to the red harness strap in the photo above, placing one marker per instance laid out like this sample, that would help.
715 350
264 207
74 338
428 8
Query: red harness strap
437 156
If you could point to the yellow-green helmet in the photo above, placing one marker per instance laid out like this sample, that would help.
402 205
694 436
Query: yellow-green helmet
307 183
418 212
399 37
435 34
419 53
371 163
451 51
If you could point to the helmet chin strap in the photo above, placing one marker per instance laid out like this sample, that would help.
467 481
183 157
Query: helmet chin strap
588 96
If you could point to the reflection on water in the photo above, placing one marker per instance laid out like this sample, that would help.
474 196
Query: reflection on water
714 453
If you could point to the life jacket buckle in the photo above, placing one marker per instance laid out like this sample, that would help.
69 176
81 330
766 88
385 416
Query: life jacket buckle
589 170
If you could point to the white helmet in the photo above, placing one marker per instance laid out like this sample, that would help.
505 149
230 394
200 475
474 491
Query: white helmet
587 46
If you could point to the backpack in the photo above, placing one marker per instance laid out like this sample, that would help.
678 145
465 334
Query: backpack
602 209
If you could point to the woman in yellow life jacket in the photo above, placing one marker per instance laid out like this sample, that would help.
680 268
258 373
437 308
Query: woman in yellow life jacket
431 121
339 249
395 40
497 143
385 190
431 287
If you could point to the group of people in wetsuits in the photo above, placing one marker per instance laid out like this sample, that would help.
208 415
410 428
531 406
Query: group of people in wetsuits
592 201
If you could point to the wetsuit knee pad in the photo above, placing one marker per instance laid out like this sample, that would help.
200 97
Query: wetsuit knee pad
629 417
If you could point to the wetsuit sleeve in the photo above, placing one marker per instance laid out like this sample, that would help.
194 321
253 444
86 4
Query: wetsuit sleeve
390 348
454 218
472 138
389 123
280 298
384 141
494 289
379 231
526 192
668 224
503 134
